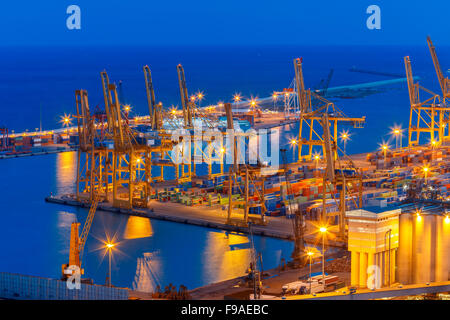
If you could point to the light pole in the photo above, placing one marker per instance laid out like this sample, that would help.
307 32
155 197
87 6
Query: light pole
236 98
323 230
293 143
433 144
384 147
200 97
425 171
310 254
274 99
344 138
317 158
398 135
109 246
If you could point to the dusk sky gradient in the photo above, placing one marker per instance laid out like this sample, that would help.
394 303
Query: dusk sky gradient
231 22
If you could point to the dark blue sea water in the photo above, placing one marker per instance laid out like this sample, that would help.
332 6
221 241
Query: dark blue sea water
34 235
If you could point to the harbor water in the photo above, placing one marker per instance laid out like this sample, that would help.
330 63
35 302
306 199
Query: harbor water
34 235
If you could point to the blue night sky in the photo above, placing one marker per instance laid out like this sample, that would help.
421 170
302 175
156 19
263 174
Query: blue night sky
227 22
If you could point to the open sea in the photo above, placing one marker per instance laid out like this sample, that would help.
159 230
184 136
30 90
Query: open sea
37 85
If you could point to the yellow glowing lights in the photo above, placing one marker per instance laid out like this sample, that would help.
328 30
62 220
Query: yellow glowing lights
237 97
200 95
316 157
419 217
66 120
310 253
433 142
109 245
323 229
344 135
447 219
293 141
127 108
222 150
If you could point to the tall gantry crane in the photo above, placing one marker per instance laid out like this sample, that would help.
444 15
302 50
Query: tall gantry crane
426 115
94 159
312 108
251 175
444 82
131 163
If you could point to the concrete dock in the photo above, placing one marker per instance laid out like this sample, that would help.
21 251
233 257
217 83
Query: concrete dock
209 217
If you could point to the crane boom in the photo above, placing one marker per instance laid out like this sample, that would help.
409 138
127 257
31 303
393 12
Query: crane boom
87 225
301 92
443 82
411 86
152 107
105 84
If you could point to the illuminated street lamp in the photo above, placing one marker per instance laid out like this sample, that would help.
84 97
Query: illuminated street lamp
310 255
274 99
397 132
293 143
109 246
66 120
316 158
425 170
433 143
237 98
344 137
173 111
200 96
323 230
385 148
253 103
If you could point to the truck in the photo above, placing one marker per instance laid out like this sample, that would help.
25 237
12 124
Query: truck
303 286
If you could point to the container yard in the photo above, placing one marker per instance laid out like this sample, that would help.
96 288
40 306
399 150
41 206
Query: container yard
245 179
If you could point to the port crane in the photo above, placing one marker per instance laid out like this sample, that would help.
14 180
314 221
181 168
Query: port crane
298 210
427 115
251 176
